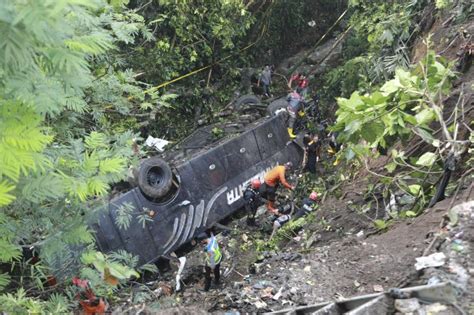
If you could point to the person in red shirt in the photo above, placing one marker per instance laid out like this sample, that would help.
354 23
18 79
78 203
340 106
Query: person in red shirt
272 180
301 81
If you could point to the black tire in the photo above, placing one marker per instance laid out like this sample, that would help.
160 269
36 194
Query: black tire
276 105
155 177
245 100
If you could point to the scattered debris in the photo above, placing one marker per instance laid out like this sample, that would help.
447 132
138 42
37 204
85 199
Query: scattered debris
407 305
435 308
157 143
433 260
260 304
267 293
182 262
278 294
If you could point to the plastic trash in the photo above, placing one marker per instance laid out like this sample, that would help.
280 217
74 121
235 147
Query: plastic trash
157 143
182 262
433 260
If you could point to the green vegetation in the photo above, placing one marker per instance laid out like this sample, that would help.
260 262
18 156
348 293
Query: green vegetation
80 79
406 105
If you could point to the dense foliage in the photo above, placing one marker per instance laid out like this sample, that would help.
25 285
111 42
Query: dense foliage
379 43
62 139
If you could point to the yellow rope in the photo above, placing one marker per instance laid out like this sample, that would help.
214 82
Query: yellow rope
264 29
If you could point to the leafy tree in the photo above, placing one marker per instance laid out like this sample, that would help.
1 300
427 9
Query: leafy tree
402 107
378 44
201 36
63 142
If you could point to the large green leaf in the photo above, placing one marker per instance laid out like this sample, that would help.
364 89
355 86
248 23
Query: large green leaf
353 127
425 116
427 159
371 131
391 86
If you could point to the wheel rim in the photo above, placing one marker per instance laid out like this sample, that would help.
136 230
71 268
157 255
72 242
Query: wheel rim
155 176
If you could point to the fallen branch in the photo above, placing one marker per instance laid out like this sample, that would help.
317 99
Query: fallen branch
443 220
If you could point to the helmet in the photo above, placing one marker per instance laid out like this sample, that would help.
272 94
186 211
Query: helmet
313 195
289 165
255 183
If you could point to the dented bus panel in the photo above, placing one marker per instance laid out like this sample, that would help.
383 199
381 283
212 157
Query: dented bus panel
210 188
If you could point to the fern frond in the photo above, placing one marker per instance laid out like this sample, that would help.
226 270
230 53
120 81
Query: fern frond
57 304
14 49
78 235
9 251
66 60
4 280
113 165
93 44
77 188
14 161
44 187
90 164
96 140
149 267
5 197
124 257
20 127
124 215
96 186
76 104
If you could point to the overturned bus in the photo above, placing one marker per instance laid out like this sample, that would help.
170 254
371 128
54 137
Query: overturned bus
190 193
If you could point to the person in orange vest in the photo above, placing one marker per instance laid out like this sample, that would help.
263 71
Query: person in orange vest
272 180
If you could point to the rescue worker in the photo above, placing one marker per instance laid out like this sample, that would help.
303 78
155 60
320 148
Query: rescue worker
272 180
279 222
266 79
252 200
334 147
308 205
302 83
312 147
213 261
295 105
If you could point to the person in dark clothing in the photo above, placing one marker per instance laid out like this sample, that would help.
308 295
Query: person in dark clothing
252 200
307 207
316 112
295 105
266 79
334 146
312 150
